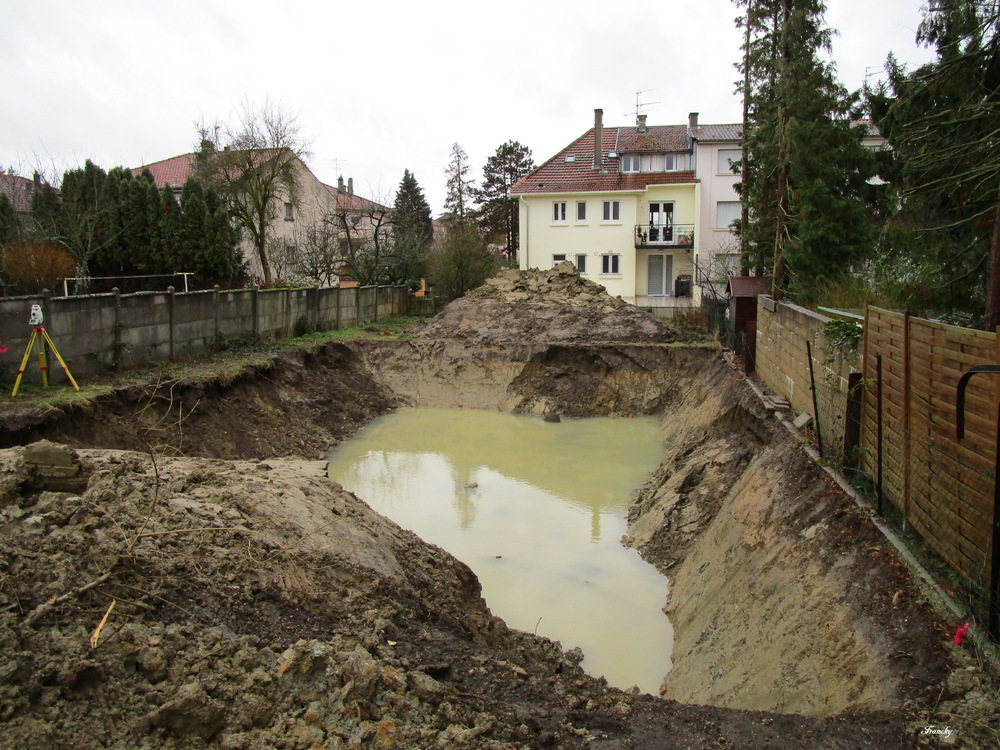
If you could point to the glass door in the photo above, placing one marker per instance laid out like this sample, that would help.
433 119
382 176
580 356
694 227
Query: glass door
659 269
661 222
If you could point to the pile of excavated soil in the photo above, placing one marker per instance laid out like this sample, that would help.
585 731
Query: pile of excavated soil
553 306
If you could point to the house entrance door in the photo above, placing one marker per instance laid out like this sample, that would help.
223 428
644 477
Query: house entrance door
659 270
661 222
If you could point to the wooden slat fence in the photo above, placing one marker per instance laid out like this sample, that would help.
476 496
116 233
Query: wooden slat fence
943 487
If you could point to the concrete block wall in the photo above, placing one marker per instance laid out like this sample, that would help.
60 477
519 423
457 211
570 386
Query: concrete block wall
783 365
103 331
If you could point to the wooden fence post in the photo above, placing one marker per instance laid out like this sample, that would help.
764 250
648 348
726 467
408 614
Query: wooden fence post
906 419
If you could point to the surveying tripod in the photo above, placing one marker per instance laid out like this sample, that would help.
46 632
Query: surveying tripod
39 334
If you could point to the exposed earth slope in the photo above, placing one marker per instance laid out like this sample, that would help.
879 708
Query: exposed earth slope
258 605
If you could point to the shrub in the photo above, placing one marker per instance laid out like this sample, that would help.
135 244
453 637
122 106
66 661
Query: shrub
33 265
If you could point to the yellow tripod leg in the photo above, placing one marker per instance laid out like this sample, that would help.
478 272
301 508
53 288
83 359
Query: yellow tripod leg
43 362
58 357
24 363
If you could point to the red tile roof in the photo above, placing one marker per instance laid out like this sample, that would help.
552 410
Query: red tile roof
18 191
748 286
572 169
727 132
171 172
351 202
577 175
654 138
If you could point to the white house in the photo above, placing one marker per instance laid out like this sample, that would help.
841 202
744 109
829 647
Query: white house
644 210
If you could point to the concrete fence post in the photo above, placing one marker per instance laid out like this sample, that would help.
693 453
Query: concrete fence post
116 329
170 317
47 311
254 312
217 300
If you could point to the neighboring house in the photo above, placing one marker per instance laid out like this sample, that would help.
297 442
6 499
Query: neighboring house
18 190
316 206
643 210
360 217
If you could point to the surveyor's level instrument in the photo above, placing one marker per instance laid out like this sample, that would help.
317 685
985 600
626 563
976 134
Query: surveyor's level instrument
39 334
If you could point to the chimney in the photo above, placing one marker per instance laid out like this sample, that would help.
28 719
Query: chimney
640 123
37 179
350 186
340 184
598 137
693 120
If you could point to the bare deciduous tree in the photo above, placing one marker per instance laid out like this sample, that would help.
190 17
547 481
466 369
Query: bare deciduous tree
255 158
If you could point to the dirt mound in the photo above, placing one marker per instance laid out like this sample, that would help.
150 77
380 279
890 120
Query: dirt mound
553 306
195 603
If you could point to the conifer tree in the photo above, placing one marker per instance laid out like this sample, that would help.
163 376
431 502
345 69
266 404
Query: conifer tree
412 230
460 189
807 168
80 219
10 224
411 215
169 231
45 212
941 250
498 214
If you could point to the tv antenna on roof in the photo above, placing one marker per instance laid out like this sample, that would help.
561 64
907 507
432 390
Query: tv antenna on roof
639 106
337 161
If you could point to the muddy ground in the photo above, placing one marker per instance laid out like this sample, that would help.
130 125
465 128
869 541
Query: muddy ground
258 605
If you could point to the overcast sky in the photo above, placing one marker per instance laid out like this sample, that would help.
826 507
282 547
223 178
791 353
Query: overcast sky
382 86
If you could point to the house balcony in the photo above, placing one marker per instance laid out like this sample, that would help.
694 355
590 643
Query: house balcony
675 235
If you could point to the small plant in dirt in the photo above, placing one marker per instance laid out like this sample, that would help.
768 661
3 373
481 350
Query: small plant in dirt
303 326
245 343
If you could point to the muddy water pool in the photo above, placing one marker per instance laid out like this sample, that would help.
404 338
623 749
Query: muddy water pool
537 510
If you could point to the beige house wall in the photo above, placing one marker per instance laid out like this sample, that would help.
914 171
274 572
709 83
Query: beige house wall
541 237
717 249
314 201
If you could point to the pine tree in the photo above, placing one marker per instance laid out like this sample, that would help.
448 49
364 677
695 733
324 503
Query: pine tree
80 219
412 230
10 224
460 189
807 168
45 212
498 214
941 250
170 233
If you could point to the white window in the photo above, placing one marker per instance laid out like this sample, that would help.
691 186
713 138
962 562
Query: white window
288 212
609 265
612 211
558 258
727 158
581 263
726 212
559 211
581 210
630 163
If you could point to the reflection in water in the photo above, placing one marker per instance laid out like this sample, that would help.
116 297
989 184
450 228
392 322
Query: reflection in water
537 511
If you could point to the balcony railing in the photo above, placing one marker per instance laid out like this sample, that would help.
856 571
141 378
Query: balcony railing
675 235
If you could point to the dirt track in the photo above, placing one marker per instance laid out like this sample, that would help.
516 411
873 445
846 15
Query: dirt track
257 605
